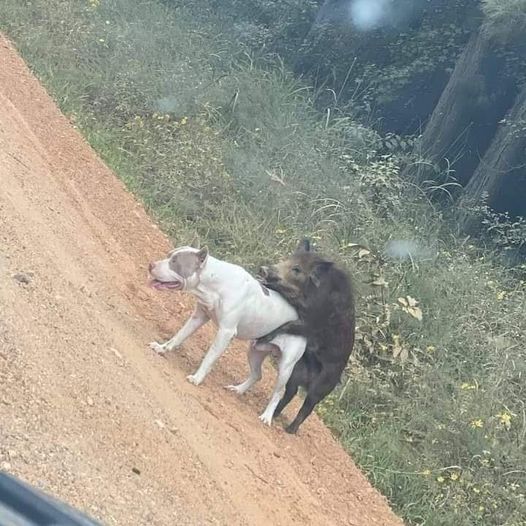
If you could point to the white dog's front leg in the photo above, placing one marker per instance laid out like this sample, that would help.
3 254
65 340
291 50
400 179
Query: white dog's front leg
198 319
292 349
223 338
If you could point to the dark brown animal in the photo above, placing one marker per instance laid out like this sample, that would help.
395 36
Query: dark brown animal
322 294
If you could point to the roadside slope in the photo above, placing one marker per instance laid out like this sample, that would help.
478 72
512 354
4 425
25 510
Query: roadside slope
86 410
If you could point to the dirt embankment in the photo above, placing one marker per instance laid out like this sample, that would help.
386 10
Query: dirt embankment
86 410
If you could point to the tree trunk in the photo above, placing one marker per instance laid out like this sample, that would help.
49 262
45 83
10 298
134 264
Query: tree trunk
500 176
466 116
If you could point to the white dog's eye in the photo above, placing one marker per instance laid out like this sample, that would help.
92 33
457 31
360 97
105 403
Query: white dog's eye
296 270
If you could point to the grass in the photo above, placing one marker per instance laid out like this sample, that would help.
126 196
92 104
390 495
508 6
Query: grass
228 149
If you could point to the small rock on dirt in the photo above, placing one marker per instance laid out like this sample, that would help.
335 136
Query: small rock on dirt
116 353
23 278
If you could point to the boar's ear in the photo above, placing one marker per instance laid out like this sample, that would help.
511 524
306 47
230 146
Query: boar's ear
304 246
318 272
202 255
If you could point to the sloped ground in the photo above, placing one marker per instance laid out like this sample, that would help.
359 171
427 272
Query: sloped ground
87 412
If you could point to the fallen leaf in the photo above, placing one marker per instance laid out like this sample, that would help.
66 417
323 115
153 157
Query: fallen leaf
397 348
410 305
380 282
416 312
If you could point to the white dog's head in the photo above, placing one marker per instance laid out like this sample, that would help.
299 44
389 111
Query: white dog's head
180 270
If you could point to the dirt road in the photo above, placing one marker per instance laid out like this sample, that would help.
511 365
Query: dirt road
87 412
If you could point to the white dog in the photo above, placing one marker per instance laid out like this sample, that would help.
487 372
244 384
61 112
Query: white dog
240 307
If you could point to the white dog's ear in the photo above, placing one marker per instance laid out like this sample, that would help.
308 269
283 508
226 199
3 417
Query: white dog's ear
202 255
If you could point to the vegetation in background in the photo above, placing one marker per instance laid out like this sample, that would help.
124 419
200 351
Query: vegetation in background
231 148
391 70
446 75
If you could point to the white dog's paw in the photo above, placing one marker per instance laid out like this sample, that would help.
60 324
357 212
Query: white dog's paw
158 348
239 389
194 379
266 419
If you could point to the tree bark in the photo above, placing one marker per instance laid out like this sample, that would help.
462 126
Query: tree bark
502 167
466 116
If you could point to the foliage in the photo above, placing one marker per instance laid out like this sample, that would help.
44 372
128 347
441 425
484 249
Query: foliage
505 17
393 72
229 148
504 234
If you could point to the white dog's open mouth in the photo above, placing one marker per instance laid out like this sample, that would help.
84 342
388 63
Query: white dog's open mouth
160 285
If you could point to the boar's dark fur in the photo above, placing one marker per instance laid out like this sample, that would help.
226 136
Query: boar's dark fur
323 296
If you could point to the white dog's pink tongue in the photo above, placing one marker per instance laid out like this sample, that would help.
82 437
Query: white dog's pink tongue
159 285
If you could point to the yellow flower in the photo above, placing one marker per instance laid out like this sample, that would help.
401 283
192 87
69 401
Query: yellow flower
467 386
430 349
477 423
454 476
426 472
184 120
501 295
505 419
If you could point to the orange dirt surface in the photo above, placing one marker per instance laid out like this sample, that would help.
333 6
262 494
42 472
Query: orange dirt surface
87 411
